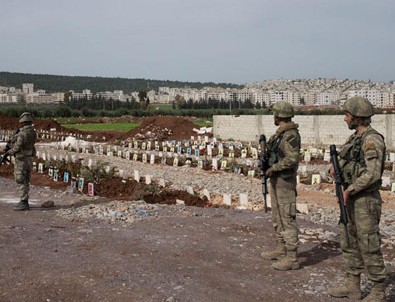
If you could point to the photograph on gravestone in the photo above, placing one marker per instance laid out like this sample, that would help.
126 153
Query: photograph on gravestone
34 166
165 149
237 170
231 154
144 157
120 153
149 146
55 174
224 164
197 152
66 176
73 182
91 191
243 153
315 179
189 151
143 145
127 155
80 184
254 153
50 171
40 168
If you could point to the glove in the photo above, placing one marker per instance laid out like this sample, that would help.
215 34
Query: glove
269 173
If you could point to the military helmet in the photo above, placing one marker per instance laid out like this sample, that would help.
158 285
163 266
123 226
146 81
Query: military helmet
25 117
282 109
359 106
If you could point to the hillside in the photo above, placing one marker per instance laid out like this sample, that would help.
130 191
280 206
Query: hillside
59 83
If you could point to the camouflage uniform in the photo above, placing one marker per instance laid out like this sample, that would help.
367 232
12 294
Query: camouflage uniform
361 160
283 149
23 151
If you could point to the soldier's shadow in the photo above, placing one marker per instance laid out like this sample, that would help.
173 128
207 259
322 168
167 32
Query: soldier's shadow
391 286
319 252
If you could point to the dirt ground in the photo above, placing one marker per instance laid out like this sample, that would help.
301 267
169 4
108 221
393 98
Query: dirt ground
153 127
197 252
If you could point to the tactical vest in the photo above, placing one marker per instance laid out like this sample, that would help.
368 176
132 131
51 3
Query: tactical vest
276 154
29 139
354 160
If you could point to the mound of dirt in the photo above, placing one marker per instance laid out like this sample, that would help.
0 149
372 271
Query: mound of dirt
162 128
9 123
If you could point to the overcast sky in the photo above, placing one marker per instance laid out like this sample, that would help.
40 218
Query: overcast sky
232 41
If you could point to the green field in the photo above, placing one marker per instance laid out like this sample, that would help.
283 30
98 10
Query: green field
102 127
205 123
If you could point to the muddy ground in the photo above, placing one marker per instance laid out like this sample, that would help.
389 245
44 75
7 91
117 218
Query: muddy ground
182 253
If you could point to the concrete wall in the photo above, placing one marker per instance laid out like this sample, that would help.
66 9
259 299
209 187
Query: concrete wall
315 130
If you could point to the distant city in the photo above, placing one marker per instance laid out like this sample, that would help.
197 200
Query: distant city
308 92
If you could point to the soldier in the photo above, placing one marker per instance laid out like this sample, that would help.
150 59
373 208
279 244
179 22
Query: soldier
23 151
361 160
283 149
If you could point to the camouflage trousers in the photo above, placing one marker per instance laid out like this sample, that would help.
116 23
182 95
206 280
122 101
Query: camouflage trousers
283 203
22 172
364 212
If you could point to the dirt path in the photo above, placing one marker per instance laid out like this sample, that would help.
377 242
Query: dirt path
180 254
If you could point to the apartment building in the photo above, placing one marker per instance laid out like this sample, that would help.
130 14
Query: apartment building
28 88
379 99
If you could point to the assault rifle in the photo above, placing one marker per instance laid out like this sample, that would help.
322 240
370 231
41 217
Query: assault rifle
264 165
5 157
339 189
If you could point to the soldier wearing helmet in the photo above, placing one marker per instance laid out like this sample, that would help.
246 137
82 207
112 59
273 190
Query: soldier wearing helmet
362 163
284 148
23 151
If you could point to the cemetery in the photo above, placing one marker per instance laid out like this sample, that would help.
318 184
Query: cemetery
170 191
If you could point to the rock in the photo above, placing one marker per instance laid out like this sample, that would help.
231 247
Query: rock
302 208
48 204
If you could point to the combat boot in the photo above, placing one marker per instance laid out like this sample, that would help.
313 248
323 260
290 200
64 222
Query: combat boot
289 262
23 205
377 294
277 254
351 288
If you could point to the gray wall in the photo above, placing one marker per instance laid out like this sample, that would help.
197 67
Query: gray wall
315 130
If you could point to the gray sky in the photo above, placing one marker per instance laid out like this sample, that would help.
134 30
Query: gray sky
232 41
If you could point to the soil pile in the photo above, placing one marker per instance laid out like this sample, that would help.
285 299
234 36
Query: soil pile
9 123
162 128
